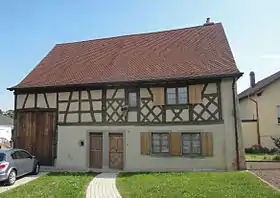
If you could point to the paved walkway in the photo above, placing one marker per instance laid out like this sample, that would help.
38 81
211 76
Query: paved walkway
103 186
270 176
21 181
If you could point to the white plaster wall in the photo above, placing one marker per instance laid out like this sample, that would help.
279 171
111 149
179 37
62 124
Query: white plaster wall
6 132
247 109
71 155
119 94
134 161
249 134
211 88
96 94
132 116
74 106
63 95
51 99
20 100
41 102
228 117
30 101
144 93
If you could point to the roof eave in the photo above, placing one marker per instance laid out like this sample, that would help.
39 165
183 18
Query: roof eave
218 76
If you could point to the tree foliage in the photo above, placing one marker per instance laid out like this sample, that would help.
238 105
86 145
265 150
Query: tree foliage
9 113
276 141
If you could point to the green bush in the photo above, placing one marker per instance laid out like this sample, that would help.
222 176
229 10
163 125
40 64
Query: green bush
256 149
276 141
264 150
276 158
249 150
273 150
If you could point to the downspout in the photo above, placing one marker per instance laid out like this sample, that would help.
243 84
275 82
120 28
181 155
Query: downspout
235 126
14 130
258 123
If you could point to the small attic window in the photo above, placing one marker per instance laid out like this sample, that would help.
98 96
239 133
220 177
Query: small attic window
132 99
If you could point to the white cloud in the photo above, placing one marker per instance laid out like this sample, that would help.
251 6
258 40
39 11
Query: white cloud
271 56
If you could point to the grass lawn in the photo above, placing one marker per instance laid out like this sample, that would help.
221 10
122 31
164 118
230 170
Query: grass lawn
259 156
193 184
54 185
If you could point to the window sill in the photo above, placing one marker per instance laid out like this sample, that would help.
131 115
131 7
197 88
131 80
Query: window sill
158 155
177 105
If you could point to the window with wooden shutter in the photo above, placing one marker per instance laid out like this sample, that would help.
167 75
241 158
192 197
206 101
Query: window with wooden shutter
175 144
158 95
207 143
195 94
145 143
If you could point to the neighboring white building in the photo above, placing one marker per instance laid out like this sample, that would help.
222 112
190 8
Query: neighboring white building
260 111
6 127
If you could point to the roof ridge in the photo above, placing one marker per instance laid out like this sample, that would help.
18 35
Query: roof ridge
136 34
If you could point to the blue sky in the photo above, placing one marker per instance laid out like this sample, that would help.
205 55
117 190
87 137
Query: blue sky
30 29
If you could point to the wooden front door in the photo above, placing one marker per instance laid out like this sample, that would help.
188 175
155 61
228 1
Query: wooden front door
35 132
96 150
116 151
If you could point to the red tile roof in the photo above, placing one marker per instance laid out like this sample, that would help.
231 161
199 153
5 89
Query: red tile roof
189 52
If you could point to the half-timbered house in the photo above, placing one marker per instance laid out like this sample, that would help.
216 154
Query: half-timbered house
162 101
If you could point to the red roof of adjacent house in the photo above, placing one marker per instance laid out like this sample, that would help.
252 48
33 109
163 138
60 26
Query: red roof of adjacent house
189 52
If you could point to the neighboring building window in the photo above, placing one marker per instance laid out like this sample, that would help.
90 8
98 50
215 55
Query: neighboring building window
278 113
160 142
132 99
191 143
176 95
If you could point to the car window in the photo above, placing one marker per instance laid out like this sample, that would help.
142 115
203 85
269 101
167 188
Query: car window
2 156
15 155
23 155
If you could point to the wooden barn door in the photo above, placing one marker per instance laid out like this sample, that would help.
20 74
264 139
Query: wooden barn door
116 151
96 150
35 131
45 130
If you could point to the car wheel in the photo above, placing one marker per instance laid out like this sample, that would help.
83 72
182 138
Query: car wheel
12 177
36 169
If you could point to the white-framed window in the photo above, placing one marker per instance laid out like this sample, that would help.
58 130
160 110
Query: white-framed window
191 144
278 114
176 95
160 142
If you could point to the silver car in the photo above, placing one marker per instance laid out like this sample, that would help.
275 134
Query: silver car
15 163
